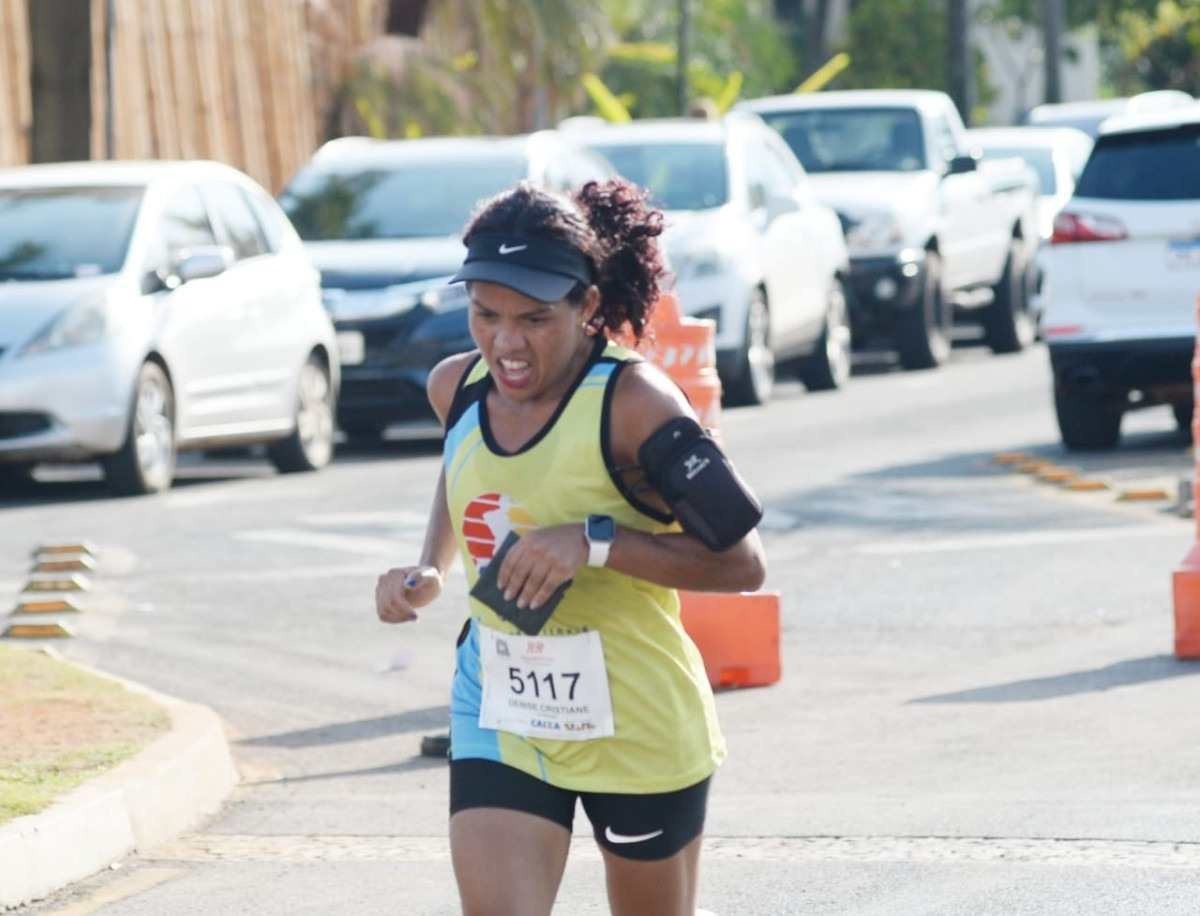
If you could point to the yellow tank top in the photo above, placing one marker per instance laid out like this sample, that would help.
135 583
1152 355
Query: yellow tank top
666 735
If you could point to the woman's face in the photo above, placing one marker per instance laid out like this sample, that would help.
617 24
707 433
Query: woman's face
529 345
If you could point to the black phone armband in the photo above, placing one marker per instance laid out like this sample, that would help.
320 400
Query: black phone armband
705 493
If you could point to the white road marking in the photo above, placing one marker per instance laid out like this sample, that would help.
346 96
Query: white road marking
1021 539
349 543
778 520
984 850
401 518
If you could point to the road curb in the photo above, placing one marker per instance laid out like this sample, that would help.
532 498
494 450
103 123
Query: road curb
163 791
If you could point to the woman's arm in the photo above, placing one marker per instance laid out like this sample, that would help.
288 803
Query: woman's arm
401 591
644 400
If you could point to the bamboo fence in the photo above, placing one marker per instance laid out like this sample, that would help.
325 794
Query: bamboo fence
247 82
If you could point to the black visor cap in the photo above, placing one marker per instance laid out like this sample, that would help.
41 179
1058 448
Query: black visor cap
538 268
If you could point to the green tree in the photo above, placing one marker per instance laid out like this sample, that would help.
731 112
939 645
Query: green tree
1161 50
896 44
727 37
494 66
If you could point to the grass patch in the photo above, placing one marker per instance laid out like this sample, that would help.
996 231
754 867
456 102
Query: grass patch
62 726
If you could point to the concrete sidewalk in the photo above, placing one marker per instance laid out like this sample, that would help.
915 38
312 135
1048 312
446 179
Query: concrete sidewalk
168 788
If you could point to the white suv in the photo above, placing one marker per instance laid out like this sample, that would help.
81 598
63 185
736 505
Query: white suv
1122 278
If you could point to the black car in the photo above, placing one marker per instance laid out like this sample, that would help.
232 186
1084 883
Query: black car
381 221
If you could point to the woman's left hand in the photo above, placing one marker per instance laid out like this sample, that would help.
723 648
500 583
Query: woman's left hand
541 561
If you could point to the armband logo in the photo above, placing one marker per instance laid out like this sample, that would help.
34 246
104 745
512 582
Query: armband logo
693 465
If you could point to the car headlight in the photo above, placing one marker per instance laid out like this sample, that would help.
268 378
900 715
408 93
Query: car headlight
73 327
446 298
356 305
704 262
876 231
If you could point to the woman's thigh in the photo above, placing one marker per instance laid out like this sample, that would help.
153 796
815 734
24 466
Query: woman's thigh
509 836
664 887
507 863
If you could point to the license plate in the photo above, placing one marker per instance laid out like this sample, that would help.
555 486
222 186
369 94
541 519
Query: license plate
1183 254
351 347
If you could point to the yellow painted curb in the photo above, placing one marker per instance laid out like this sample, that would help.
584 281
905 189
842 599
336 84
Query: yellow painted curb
1149 494
1033 466
58 549
1010 458
47 606
1058 475
59 583
1086 486
77 563
54 630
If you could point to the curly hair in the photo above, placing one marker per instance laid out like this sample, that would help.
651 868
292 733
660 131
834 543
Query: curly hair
614 227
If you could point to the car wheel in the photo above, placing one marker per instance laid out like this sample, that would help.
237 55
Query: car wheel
145 463
1088 422
829 365
1183 415
1008 327
923 332
310 445
756 364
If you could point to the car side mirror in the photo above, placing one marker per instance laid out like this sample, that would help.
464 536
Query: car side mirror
202 262
960 165
758 196
779 204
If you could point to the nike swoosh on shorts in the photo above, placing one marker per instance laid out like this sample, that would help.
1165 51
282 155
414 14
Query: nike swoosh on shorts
621 838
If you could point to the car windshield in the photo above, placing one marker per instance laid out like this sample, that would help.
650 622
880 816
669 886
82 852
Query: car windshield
853 139
1040 159
61 232
421 199
679 176
1147 165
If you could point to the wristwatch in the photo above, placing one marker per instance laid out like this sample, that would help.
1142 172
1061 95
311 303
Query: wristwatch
599 530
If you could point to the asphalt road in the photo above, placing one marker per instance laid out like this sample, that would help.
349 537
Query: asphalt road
979 713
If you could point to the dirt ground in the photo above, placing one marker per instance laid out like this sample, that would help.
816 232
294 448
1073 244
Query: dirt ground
60 726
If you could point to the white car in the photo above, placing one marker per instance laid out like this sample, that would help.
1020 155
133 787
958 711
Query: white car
1057 155
1122 276
750 245
934 234
1089 115
148 307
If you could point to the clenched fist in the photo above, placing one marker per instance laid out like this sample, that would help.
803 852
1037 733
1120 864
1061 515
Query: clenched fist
399 592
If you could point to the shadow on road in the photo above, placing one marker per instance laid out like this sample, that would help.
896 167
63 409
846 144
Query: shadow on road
406 766
1120 674
431 717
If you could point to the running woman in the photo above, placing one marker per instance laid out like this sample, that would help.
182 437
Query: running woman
544 425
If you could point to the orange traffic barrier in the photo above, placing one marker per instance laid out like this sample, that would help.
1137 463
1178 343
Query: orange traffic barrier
1186 580
737 634
684 348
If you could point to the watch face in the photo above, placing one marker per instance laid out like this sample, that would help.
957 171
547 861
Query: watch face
601 528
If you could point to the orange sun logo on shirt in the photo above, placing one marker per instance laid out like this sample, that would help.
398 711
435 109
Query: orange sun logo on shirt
487 520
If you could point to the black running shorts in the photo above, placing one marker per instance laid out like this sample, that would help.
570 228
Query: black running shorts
631 826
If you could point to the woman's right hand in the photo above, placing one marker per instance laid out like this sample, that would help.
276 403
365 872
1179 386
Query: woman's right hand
399 592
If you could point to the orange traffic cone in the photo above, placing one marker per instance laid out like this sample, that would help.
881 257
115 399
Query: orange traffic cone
737 634
1186 580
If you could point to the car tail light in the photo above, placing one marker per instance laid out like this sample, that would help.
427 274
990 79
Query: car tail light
1086 227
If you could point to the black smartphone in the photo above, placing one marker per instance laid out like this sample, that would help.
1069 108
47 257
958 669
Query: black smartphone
528 620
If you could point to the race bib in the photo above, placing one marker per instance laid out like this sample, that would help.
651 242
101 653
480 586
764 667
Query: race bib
545 686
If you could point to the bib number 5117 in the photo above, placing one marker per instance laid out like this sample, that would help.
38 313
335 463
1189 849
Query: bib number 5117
519 681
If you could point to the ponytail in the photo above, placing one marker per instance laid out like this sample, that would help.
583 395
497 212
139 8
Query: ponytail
615 228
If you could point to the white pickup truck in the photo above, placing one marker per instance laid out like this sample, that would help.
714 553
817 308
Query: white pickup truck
933 232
